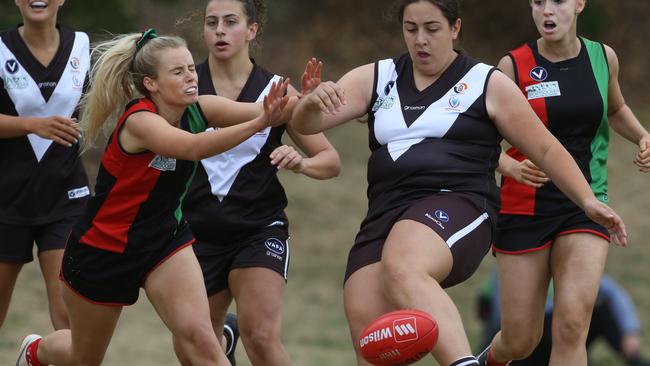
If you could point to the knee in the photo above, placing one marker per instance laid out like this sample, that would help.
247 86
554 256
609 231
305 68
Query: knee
522 344
199 338
260 338
570 328
395 278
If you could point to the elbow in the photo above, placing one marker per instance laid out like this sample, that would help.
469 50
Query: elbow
196 152
336 167
331 170
192 154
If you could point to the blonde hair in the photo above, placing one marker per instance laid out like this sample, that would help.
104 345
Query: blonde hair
117 78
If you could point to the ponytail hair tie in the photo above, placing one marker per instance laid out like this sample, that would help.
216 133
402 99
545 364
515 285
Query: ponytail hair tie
146 36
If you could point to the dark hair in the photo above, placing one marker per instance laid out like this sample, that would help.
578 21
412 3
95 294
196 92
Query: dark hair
255 11
450 9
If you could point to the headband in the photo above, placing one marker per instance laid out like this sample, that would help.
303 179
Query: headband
146 36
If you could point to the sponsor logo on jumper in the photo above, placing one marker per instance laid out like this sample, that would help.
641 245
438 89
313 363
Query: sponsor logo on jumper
376 336
12 66
543 90
454 102
414 107
438 222
78 192
383 103
77 82
47 84
441 215
16 82
405 329
163 164
460 88
538 73
275 248
74 62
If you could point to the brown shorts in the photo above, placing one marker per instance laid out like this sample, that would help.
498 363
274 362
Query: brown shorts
455 218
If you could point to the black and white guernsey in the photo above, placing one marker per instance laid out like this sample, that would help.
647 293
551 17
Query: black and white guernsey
41 181
439 139
238 190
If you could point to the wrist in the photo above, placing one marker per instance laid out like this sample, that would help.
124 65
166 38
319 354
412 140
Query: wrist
645 136
261 122
300 167
29 124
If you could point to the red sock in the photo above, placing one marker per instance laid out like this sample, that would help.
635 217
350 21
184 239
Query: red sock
492 362
32 349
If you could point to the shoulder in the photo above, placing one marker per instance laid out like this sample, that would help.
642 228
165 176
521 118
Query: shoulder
82 37
599 51
507 66
262 71
72 35
9 36
610 54
362 71
4 34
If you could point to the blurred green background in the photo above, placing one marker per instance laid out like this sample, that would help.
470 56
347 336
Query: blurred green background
325 215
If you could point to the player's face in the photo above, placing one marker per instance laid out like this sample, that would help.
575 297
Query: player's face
225 29
428 36
556 19
176 81
38 11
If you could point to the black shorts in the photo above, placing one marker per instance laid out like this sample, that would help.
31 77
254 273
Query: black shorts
17 241
518 234
267 247
454 217
109 278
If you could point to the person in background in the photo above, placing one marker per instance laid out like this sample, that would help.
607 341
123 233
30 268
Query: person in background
236 203
44 187
613 320
572 84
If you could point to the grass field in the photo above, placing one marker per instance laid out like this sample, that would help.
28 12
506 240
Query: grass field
324 219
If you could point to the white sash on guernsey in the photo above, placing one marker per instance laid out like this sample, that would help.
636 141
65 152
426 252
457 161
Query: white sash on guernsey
391 128
27 97
222 169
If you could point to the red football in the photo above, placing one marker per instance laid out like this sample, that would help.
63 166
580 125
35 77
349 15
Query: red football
398 338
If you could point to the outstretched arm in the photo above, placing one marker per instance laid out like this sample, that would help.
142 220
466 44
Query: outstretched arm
223 112
518 123
331 104
148 131
621 117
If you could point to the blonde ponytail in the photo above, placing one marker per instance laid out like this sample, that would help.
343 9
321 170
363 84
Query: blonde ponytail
117 78
110 85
